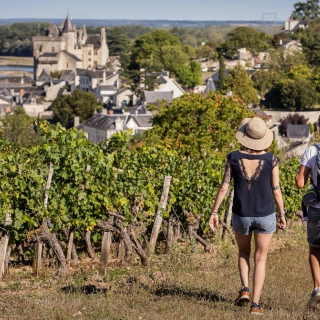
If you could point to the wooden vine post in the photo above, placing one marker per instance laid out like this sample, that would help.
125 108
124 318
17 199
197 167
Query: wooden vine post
4 249
39 246
105 248
158 219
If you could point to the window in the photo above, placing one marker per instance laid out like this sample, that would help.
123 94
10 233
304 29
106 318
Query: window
33 101
89 59
90 53
67 64
95 52
53 49
95 63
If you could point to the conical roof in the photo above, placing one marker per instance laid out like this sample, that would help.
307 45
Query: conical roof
67 25
210 86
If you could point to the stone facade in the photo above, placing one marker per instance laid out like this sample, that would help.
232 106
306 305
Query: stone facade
67 48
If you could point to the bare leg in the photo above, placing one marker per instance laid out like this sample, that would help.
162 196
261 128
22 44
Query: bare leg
244 246
262 243
314 260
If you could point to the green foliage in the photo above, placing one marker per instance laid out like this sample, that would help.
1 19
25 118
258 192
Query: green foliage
16 38
306 10
244 37
56 74
198 125
240 84
18 130
79 103
292 196
310 41
118 42
157 51
190 51
207 52
190 75
297 94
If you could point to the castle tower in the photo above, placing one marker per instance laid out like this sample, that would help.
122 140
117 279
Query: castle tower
68 33
104 56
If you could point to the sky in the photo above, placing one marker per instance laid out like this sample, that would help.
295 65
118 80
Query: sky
147 9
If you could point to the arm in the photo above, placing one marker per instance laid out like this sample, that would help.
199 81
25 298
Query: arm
214 219
302 176
277 194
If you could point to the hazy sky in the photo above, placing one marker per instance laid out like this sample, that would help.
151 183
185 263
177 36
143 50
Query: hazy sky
147 9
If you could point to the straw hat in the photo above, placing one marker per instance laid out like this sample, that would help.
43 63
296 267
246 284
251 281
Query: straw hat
254 134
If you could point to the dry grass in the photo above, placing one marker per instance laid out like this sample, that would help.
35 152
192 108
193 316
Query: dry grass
17 61
181 285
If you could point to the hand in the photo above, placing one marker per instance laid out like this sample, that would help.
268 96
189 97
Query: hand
214 222
282 222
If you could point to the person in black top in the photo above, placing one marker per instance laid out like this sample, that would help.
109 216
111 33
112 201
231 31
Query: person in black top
255 172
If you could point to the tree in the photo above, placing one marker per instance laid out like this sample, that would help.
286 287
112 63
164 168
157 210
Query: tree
79 103
291 119
190 51
189 75
222 72
207 52
158 50
18 130
198 125
297 94
310 41
171 57
306 10
244 37
240 84
118 42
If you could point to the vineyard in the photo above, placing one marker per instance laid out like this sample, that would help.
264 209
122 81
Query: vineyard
121 198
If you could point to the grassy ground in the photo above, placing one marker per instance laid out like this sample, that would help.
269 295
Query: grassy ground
16 61
182 285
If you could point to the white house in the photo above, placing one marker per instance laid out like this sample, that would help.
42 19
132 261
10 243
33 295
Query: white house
292 25
168 84
102 126
33 105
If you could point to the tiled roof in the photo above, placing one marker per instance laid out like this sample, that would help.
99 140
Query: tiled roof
154 96
298 130
71 55
94 39
107 122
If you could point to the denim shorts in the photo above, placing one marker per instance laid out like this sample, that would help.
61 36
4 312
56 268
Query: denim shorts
245 225
313 227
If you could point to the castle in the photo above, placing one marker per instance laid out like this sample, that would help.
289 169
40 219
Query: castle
68 48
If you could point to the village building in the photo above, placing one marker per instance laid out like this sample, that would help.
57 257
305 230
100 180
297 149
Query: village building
102 126
68 48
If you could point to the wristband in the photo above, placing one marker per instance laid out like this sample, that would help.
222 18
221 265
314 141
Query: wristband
214 214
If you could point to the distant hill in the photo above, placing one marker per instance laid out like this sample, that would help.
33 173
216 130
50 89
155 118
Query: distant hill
147 23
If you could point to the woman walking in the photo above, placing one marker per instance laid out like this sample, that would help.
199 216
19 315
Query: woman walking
255 172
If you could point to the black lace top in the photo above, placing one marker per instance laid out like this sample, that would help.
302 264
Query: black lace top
253 195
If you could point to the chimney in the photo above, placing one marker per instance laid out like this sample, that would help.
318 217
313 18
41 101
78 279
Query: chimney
119 124
104 111
76 121
136 112
111 113
280 42
22 92
104 76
